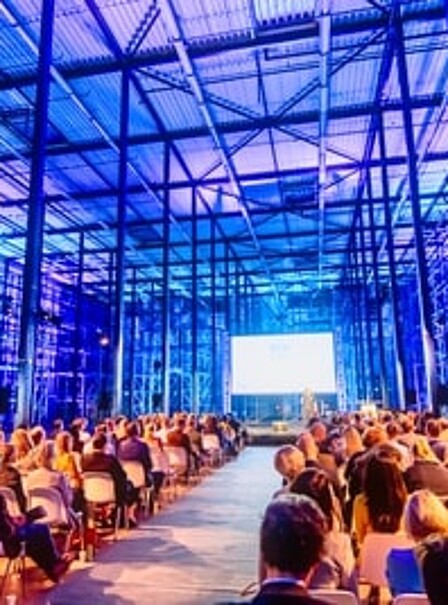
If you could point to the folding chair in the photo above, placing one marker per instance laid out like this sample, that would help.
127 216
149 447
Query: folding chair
335 597
99 491
135 472
411 599
57 514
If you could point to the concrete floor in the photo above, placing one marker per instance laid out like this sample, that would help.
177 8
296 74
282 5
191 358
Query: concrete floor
201 549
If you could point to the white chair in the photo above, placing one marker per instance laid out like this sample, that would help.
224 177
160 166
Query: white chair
12 504
99 491
160 463
212 447
373 556
50 499
57 514
135 472
177 464
411 599
335 597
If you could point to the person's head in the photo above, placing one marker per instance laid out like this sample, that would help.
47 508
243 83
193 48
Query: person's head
373 435
425 514
132 429
63 442
316 484
7 453
353 441
21 442
432 428
37 435
292 535
289 461
385 492
319 431
433 555
99 442
422 450
393 429
44 458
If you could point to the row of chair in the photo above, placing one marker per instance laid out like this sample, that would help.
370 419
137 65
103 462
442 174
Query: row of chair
344 597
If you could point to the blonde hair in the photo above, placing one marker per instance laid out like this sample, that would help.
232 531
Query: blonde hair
353 441
425 514
289 461
422 450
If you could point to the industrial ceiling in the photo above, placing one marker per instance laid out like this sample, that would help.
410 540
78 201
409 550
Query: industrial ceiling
241 131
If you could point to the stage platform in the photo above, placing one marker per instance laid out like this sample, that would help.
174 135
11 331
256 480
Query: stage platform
275 433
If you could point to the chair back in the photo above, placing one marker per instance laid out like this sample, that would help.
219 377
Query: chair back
177 459
50 499
99 487
411 599
159 460
135 472
374 552
335 597
12 504
210 442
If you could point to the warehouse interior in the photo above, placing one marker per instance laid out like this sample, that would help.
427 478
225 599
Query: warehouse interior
174 174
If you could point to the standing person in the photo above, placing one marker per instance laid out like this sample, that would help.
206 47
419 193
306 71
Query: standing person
291 543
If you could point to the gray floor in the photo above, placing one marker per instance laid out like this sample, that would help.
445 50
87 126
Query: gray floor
201 550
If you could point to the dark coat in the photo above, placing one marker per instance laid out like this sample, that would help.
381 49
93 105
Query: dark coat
426 474
134 448
284 594
106 463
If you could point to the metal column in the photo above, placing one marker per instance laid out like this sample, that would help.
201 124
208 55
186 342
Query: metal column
378 298
131 347
214 351
398 341
166 311
77 345
421 266
366 307
120 269
194 303
35 223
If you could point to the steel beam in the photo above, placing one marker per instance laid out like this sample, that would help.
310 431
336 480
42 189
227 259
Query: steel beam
35 222
360 21
424 302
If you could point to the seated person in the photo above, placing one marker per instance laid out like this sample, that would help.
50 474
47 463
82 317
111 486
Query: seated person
98 460
38 543
336 569
10 476
289 462
134 448
433 553
424 515
291 543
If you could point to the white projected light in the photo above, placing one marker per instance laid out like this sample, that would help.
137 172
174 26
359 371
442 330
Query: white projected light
267 365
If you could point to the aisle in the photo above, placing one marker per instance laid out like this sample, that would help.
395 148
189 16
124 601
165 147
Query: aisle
201 550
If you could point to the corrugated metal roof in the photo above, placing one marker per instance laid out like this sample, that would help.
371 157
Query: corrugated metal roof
231 92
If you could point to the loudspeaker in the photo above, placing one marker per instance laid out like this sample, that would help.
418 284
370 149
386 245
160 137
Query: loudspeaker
5 396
